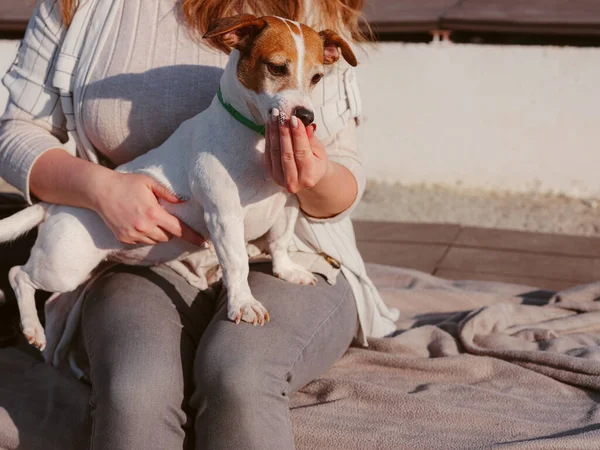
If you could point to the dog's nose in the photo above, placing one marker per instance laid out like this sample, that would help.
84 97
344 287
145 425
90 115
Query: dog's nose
304 115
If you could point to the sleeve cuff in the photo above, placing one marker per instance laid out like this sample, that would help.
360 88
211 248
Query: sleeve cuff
16 165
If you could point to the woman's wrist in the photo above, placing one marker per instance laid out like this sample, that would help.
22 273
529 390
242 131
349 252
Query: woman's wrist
325 179
95 187
331 195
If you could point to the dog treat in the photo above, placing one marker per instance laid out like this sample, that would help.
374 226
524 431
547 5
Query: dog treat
282 118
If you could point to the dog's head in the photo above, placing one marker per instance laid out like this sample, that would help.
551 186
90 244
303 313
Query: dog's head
280 61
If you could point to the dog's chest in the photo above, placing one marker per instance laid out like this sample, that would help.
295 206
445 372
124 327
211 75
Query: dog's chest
260 198
225 182
262 210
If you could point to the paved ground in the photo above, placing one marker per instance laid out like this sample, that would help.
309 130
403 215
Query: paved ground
534 212
546 261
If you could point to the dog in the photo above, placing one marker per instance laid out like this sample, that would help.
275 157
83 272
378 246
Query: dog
214 162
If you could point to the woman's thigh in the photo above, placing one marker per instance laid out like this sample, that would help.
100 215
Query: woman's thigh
140 330
310 328
133 311
243 373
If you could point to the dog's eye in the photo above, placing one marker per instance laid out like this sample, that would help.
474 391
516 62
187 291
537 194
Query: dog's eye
316 78
278 70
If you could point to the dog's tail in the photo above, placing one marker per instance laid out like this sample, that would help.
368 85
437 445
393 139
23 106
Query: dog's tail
18 224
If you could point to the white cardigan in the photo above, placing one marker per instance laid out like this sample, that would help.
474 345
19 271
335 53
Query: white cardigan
46 87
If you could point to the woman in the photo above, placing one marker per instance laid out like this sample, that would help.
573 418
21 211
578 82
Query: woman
117 78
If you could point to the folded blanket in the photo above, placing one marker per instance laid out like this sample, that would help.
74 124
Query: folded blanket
473 365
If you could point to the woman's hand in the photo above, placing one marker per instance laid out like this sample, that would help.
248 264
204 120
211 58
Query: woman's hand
297 160
128 204
294 157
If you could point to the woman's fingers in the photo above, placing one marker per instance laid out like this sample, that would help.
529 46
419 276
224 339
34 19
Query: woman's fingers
162 192
291 157
176 227
158 225
189 235
164 230
268 162
275 147
143 239
290 152
147 232
303 153
288 161
157 234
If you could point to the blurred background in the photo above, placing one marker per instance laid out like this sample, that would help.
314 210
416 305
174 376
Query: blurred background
476 112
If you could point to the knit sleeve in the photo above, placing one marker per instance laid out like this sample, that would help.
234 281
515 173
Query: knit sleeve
33 121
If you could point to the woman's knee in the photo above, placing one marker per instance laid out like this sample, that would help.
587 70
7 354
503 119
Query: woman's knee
137 393
135 409
235 374
124 313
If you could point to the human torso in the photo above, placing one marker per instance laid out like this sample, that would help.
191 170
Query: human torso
152 73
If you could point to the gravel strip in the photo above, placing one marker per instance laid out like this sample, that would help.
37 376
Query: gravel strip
435 204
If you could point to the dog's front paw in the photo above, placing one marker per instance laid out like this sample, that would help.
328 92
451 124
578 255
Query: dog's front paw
245 307
34 332
295 273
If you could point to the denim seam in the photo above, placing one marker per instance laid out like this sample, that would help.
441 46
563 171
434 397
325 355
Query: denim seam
93 389
93 431
317 329
290 429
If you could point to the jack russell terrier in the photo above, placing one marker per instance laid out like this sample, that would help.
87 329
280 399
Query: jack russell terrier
214 161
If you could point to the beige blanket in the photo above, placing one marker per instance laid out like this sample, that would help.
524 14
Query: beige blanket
472 366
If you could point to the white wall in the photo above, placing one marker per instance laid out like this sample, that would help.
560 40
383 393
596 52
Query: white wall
494 117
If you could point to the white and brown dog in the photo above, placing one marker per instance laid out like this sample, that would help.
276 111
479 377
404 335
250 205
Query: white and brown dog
214 162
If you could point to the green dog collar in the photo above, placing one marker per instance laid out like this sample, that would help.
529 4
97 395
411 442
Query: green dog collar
238 116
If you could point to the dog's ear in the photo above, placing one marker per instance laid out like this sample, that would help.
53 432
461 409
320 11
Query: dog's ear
332 44
236 31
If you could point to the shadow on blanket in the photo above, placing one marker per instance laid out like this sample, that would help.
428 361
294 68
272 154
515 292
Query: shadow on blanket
473 365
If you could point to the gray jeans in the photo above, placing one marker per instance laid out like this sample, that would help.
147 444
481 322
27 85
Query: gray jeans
169 371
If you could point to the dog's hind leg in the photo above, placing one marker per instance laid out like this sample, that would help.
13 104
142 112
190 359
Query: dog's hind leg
62 258
279 237
46 271
25 293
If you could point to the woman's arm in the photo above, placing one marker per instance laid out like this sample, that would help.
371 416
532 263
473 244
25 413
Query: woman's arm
332 195
126 202
33 120
58 177
33 159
